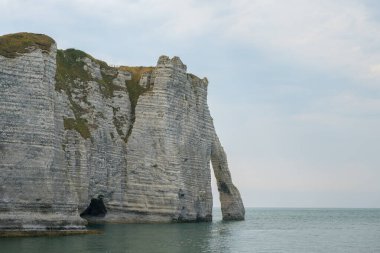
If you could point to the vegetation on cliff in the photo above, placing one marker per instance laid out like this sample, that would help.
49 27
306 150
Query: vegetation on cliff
71 72
79 125
135 90
12 45
72 77
70 69
133 87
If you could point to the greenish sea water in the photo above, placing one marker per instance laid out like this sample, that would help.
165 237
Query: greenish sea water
264 230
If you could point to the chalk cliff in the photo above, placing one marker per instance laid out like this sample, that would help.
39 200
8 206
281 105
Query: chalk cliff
80 140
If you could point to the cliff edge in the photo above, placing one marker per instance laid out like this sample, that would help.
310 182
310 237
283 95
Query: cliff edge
81 141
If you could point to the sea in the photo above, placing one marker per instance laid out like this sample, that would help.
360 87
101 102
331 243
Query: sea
285 230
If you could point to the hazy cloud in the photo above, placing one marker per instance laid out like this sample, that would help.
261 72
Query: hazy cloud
336 35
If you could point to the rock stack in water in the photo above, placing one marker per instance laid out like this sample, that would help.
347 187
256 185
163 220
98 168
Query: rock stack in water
110 144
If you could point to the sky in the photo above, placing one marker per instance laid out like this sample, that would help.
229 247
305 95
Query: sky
294 85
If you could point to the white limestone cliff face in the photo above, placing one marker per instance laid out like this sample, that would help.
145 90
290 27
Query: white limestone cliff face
97 165
168 152
35 190
64 142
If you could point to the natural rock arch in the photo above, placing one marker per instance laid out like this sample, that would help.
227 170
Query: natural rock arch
230 199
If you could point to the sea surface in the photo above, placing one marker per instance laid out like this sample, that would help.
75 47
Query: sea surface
264 230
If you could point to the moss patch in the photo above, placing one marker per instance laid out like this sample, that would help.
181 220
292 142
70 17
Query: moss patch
70 68
77 124
107 88
11 45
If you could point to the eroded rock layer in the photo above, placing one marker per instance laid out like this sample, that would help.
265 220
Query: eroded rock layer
135 142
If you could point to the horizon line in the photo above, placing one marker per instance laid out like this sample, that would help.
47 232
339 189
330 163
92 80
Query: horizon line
298 207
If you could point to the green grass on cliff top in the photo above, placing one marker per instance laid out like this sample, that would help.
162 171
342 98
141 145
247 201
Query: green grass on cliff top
133 86
70 68
11 45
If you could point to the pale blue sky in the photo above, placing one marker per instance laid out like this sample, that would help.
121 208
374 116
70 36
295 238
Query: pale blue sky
294 85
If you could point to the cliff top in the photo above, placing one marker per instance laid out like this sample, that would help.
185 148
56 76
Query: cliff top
175 61
134 89
18 43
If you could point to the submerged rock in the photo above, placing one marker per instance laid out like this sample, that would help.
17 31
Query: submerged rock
73 128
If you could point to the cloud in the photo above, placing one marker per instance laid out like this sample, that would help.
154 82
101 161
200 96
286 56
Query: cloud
340 110
176 19
338 36
349 103
341 35
375 69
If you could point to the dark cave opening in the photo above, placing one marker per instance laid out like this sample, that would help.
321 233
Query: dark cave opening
95 209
